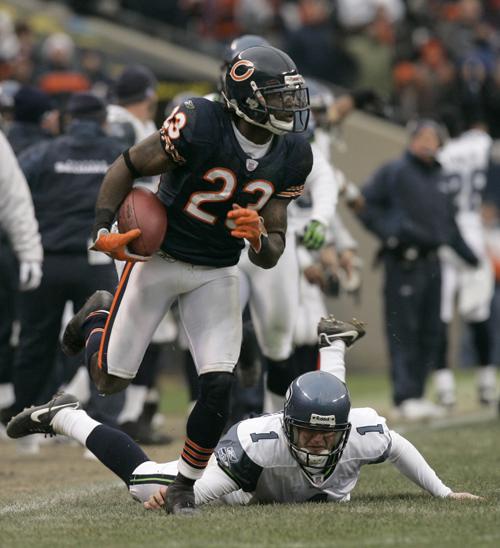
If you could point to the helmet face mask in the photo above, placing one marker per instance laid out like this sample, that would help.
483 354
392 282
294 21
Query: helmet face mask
263 87
317 450
316 424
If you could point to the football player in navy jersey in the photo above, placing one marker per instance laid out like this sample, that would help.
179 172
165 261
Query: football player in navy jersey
228 173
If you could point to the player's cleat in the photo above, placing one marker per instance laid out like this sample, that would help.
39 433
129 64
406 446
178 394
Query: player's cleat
487 395
487 384
446 399
73 340
37 419
331 329
419 409
180 499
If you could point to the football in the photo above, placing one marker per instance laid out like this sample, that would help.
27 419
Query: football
142 209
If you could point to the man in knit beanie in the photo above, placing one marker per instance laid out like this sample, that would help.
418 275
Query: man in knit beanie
30 107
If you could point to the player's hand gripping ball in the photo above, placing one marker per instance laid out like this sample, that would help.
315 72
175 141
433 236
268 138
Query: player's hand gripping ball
142 210
142 222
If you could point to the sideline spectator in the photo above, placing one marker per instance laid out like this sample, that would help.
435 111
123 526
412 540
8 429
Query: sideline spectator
131 116
19 237
408 210
30 107
64 175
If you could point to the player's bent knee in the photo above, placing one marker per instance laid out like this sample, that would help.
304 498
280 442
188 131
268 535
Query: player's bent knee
215 389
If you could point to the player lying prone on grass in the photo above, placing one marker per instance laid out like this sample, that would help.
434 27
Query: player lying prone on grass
313 450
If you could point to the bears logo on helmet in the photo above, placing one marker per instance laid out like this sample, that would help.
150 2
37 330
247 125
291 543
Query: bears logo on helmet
270 94
239 75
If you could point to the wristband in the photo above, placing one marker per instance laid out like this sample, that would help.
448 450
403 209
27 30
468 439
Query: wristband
103 219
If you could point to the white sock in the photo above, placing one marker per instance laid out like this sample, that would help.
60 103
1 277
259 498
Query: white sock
444 380
486 377
331 359
7 397
74 423
79 385
135 397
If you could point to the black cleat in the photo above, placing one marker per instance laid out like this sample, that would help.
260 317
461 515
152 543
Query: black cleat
37 419
180 498
330 329
73 340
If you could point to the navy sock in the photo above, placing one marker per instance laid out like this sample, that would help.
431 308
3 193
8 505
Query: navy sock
482 341
279 375
116 450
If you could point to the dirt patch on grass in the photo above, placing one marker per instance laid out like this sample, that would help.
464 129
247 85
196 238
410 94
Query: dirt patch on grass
60 465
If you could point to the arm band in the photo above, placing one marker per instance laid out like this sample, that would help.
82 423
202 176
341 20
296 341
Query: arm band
130 166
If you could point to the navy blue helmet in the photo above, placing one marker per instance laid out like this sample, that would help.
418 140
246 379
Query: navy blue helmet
263 87
231 51
317 402
239 44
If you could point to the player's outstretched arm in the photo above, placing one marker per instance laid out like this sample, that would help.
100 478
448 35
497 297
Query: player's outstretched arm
410 462
273 245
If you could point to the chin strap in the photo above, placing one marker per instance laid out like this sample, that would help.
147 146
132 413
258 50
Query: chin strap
233 105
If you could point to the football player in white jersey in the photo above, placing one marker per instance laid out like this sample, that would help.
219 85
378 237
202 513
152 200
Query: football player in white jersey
273 295
313 450
338 254
465 160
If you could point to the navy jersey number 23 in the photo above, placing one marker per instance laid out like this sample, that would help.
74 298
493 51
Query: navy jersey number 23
213 173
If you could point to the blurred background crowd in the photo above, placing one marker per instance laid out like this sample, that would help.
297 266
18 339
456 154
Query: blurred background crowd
400 60
422 57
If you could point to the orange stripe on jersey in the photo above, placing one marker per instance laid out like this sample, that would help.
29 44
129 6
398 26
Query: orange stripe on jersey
112 312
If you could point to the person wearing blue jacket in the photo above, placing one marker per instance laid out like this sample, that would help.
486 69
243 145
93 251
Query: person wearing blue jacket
406 205
64 176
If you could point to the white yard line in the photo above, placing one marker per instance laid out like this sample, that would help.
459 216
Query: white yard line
449 422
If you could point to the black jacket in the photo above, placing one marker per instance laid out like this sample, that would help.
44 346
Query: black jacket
65 175
407 206
22 135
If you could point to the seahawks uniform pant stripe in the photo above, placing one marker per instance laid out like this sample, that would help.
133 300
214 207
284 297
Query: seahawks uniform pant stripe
143 479
122 286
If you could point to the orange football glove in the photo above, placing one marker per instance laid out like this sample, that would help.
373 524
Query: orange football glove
248 225
115 245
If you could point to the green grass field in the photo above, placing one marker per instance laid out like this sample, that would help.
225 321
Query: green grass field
386 509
